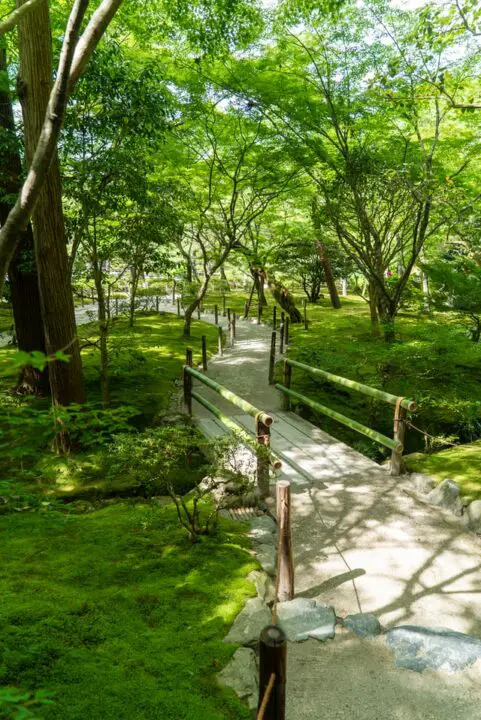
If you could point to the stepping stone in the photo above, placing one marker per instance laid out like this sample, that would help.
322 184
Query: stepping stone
419 648
249 623
242 675
363 625
303 618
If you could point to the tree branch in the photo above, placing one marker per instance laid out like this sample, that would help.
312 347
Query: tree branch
16 15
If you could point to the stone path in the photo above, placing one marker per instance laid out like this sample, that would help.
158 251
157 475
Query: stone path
362 544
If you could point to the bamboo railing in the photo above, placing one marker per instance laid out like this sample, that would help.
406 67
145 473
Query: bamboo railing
401 405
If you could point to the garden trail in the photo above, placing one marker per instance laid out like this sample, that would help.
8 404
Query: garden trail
361 544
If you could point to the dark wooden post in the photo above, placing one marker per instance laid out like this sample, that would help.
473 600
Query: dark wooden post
233 324
399 433
231 327
174 287
116 306
272 358
228 319
304 302
286 332
178 307
219 340
204 353
263 434
216 315
274 317
246 310
198 312
284 547
188 382
286 404
281 341
82 296
156 303
223 305
259 313
272 662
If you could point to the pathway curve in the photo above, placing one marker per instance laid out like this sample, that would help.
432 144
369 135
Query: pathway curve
361 544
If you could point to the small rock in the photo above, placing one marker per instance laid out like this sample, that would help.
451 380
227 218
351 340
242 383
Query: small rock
446 495
249 623
473 513
241 675
363 625
266 555
423 483
419 648
302 618
264 585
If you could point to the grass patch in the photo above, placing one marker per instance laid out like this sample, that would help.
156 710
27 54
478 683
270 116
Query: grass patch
117 614
6 319
460 464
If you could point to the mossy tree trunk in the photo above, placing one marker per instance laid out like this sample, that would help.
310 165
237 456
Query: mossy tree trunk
328 274
284 298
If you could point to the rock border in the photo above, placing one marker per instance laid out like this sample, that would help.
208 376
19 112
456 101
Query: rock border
447 495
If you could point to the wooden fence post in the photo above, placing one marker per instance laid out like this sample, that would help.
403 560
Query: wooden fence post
82 296
246 310
263 434
223 305
284 548
216 315
399 433
272 662
228 319
286 332
178 307
286 403
156 303
174 287
304 302
281 341
116 306
219 341
204 353
259 313
188 382
233 324
272 358
274 317
198 312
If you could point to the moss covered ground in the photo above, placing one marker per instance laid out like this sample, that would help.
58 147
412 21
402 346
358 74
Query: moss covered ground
6 319
461 464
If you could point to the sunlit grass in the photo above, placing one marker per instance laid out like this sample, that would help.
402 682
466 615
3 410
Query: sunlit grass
461 464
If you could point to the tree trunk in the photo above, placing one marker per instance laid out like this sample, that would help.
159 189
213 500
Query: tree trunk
134 283
387 317
249 301
330 282
344 287
258 276
22 272
56 299
104 332
225 282
190 310
373 310
284 298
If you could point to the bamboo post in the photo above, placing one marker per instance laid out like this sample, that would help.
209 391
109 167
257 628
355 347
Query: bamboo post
272 358
304 302
223 305
281 341
219 340
174 287
259 313
286 403
216 315
188 382
263 442
286 332
285 568
274 317
399 433
178 306
204 353
272 663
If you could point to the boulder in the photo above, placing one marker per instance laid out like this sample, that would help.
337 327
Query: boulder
446 495
422 483
363 625
264 585
263 523
249 623
473 513
303 618
241 674
266 555
419 648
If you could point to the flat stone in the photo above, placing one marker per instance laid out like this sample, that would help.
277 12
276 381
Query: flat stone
264 523
249 623
473 513
241 674
303 618
264 585
446 495
363 625
266 555
422 483
262 537
419 648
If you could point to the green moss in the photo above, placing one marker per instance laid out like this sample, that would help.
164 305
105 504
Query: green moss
118 614
460 464
6 319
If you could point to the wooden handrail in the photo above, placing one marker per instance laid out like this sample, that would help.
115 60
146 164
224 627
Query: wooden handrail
354 385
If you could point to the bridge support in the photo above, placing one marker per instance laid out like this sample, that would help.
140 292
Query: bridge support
263 437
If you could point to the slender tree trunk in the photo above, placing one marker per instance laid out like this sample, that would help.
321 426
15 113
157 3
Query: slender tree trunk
22 272
258 276
104 333
284 298
387 317
57 307
375 331
249 301
344 287
192 307
328 274
134 282
223 276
